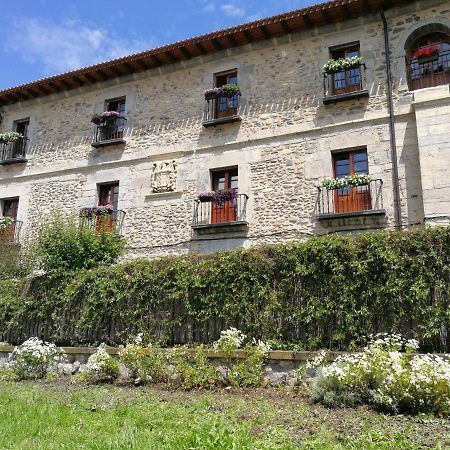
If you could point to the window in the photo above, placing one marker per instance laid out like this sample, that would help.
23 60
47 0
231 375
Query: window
108 194
222 180
226 106
10 207
351 199
114 129
348 80
429 61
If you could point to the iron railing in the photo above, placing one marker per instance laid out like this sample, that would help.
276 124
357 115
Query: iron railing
112 222
345 81
10 233
13 151
110 131
211 212
350 199
221 109
428 74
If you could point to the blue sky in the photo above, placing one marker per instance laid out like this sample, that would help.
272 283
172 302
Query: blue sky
45 37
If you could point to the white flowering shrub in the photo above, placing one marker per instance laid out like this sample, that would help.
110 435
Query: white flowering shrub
101 367
34 359
387 375
230 340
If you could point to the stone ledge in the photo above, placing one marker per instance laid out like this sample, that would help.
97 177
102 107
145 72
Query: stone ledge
221 121
346 215
7 162
344 97
431 94
160 195
218 228
108 143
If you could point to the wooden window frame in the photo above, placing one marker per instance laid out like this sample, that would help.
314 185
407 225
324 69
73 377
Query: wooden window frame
352 80
231 104
16 209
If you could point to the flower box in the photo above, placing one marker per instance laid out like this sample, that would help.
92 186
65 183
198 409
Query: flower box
427 54
341 64
90 212
227 90
348 181
219 197
105 118
10 136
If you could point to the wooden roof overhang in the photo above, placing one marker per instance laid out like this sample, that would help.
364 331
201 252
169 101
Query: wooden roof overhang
299 20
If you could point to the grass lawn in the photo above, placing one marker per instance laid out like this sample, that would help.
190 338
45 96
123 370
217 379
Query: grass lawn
58 415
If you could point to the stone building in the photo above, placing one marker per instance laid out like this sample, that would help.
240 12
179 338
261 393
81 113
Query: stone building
376 112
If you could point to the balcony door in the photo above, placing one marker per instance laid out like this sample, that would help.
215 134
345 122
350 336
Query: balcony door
18 149
227 211
108 194
348 80
225 106
10 208
351 199
116 127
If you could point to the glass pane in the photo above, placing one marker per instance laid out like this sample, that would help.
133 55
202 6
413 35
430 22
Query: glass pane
360 167
360 156
234 182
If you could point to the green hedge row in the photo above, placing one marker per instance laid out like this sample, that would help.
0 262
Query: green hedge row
330 291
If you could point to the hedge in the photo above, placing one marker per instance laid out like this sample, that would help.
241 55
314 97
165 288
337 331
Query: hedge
330 291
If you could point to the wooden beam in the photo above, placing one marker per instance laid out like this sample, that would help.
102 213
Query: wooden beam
78 80
185 52
201 48
232 40
30 92
217 44
285 26
142 64
170 56
307 21
128 67
248 36
326 17
54 86
90 78
366 7
115 71
158 61
265 32
102 74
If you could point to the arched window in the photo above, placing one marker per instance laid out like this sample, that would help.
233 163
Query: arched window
428 60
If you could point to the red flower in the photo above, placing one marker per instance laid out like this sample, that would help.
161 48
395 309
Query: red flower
426 51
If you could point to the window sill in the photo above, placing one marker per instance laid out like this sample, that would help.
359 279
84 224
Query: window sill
223 227
108 143
7 162
221 121
344 97
345 215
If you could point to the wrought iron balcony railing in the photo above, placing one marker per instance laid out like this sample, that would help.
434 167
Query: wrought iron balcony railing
221 110
350 199
10 233
101 222
109 133
212 213
13 152
430 73
345 85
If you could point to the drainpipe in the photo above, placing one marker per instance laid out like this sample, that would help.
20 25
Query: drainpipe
395 180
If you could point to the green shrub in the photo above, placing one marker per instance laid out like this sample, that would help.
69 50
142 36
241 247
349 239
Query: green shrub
386 375
193 372
63 246
147 363
101 367
34 359
327 292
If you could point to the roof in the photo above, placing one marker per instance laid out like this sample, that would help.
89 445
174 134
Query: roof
294 21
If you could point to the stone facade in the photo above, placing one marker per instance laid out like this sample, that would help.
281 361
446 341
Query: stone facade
282 147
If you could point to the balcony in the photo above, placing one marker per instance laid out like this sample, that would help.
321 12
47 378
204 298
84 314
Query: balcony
345 85
103 220
13 152
427 73
350 202
211 216
221 110
109 133
10 231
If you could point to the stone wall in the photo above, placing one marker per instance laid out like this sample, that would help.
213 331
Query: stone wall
282 147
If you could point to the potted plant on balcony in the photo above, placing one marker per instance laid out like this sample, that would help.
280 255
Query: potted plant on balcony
213 93
227 90
105 118
341 64
5 222
90 212
219 197
347 181
10 136
427 54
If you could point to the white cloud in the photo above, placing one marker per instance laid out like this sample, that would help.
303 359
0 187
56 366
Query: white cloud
232 10
209 7
69 45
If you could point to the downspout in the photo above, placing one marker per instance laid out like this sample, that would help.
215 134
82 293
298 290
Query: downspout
395 179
